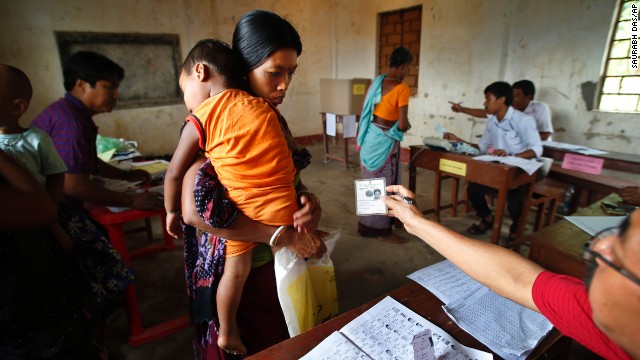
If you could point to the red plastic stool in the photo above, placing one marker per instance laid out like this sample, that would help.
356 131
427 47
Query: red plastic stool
114 223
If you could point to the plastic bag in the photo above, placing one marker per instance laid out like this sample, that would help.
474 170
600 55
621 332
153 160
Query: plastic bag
307 290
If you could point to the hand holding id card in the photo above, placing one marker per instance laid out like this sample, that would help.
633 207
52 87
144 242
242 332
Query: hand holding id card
368 193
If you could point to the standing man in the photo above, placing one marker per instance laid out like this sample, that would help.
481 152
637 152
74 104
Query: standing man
523 93
91 81
509 132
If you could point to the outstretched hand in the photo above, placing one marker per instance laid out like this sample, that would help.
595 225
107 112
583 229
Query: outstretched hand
403 206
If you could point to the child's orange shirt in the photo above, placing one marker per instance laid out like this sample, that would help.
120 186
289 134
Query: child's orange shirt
241 135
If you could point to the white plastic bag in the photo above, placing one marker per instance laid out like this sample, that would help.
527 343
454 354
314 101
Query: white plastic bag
306 289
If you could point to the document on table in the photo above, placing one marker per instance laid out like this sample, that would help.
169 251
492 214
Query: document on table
507 328
594 224
331 124
349 126
528 165
389 330
575 148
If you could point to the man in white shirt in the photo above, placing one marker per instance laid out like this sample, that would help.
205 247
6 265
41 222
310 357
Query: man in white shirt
523 93
509 132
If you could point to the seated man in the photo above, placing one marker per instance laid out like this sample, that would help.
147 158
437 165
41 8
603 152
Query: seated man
603 314
523 93
509 132
91 81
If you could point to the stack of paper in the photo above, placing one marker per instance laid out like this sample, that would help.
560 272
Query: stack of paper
528 165
507 328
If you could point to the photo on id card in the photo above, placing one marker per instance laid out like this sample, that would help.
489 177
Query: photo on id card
368 193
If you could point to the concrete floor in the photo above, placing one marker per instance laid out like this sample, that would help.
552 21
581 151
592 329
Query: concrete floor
365 267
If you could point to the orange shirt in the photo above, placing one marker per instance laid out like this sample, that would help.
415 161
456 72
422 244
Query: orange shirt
389 104
244 141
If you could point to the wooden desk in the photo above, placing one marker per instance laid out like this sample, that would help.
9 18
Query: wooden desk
612 160
420 300
325 140
114 223
495 175
559 247
588 184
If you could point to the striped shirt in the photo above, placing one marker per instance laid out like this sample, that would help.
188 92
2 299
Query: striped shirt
69 124
564 301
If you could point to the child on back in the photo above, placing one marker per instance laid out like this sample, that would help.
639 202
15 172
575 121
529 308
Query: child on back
30 147
243 139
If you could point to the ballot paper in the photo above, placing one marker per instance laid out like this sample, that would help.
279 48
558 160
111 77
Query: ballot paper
594 224
530 166
349 126
575 148
331 124
509 329
390 330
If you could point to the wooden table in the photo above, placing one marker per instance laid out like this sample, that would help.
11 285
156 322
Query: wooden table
559 247
612 160
420 300
325 140
495 175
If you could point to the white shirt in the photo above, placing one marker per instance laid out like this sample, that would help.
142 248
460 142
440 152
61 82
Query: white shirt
542 114
516 133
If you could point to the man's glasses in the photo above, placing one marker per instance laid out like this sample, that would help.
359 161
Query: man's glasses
591 254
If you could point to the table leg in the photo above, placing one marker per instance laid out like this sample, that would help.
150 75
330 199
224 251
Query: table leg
522 220
346 151
499 214
436 195
412 177
454 196
325 141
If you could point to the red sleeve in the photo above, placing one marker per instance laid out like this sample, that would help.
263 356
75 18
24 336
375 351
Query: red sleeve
564 301
202 142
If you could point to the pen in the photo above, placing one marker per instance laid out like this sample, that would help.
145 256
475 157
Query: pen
454 103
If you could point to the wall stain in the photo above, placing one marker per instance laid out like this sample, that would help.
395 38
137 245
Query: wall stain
561 93
560 129
588 89
431 116
590 135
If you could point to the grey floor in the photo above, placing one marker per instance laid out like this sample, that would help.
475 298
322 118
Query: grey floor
365 267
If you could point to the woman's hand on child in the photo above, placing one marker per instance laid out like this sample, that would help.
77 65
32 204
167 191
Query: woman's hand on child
304 245
307 218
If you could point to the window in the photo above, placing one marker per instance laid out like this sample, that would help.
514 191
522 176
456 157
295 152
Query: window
620 82
401 28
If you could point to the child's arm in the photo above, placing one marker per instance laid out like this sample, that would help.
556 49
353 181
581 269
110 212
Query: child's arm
55 187
180 162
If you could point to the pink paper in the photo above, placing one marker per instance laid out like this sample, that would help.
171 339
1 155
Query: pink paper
585 164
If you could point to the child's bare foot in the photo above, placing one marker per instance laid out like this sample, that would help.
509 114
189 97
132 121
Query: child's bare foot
230 342
393 238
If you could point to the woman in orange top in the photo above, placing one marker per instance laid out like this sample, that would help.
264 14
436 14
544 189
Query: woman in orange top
382 125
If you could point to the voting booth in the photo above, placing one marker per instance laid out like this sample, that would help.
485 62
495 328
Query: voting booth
340 106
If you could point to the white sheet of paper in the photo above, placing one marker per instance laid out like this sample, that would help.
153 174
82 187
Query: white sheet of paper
440 130
576 148
349 126
331 124
445 281
594 224
528 165
368 192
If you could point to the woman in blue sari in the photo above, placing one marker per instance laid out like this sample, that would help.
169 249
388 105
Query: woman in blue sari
382 125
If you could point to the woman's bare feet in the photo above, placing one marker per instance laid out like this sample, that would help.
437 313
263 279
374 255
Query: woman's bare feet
230 342
393 238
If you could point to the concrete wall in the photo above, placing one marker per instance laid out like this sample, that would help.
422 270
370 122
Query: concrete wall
465 45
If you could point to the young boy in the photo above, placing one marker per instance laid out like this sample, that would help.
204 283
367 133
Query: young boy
243 139
30 147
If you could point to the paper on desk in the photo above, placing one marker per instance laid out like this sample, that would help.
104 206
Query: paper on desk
528 165
501 324
331 124
575 148
594 224
507 328
349 126
386 331
445 281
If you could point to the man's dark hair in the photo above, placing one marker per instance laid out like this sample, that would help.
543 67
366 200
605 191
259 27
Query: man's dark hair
217 55
500 89
527 87
260 33
90 67
400 56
